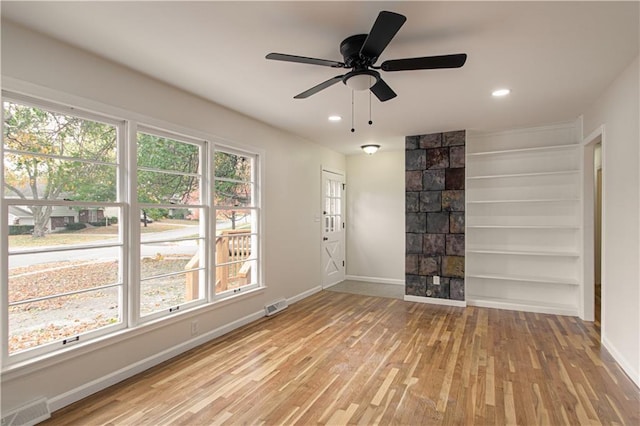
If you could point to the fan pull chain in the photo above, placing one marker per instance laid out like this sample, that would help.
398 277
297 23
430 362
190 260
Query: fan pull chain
370 122
352 126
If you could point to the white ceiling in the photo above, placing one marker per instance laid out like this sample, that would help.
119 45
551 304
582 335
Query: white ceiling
557 57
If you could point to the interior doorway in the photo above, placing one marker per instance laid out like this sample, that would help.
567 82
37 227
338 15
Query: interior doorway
597 228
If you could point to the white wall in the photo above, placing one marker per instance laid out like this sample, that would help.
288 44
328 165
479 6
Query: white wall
375 217
292 200
618 110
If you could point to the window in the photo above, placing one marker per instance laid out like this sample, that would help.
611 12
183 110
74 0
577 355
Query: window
236 210
64 275
107 224
172 235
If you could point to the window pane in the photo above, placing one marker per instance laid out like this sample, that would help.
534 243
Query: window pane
44 178
236 275
232 166
46 321
163 293
165 258
161 224
55 226
167 154
36 130
235 220
168 188
233 194
45 274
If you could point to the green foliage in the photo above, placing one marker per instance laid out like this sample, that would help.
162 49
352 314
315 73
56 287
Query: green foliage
20 229
75 226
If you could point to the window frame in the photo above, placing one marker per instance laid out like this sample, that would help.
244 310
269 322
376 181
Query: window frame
129 123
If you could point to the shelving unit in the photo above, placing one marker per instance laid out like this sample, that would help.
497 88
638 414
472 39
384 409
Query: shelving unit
523 220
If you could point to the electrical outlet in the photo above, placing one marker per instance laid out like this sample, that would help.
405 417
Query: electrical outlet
436 280
194 328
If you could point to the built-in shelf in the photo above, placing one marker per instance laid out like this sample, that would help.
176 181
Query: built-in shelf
539 200
525 253
530 221
524 278
523 227
524 150
519 175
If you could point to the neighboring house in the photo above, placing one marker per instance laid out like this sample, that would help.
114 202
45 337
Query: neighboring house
60 216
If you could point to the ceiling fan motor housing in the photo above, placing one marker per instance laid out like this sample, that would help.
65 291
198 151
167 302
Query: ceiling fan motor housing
350 50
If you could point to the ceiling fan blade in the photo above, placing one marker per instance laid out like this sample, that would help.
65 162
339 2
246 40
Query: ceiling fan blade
383 91
425 63
304 60
384 29
319 87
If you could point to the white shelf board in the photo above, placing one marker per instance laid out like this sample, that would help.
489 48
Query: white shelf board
525 253
538 200
524 150
519 175
523 227
522 305
504 277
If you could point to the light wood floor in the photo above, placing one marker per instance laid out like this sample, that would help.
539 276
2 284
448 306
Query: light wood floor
337 358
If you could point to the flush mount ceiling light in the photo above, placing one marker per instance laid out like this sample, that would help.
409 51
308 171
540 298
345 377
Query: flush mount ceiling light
335 118
500 93
370 148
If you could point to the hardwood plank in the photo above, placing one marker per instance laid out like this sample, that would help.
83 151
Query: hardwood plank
337 358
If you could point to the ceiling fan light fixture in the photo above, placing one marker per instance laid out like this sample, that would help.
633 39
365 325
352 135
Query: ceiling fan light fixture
360 82
370 148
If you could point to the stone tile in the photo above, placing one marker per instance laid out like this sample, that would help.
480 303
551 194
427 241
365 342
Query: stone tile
437 158
454 179
411 142
456 222
457 137
412 264
456 289
415 159
415 285
434 245
430 201
433 180
429 265
455 245
440 291
433 140
438 223
413 243
416 223
453 266
453 201
456 156
413 180
412 202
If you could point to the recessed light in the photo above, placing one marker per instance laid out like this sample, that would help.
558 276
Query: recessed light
335 118
500 92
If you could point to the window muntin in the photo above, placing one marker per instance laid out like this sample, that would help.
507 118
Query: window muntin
172 237
236 212
60 177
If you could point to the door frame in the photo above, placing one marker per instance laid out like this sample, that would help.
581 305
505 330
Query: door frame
587 302
343 209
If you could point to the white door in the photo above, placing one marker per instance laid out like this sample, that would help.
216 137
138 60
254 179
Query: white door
333 228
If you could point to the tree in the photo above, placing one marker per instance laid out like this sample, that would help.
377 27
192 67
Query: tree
232 187
40 159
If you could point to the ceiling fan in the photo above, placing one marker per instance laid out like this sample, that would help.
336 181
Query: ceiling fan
360 53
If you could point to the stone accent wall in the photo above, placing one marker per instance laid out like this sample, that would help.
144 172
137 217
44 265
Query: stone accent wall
435 176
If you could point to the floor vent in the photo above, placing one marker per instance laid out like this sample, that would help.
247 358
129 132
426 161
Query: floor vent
276 307
28 415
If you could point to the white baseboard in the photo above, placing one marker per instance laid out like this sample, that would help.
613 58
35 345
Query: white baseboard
436 301
514 305
74 395
633 374
374 279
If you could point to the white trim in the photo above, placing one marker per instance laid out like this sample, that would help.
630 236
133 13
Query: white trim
393 281
436 301
633 374
523 306
304 294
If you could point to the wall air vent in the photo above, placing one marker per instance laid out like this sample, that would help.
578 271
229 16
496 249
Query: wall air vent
276 307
